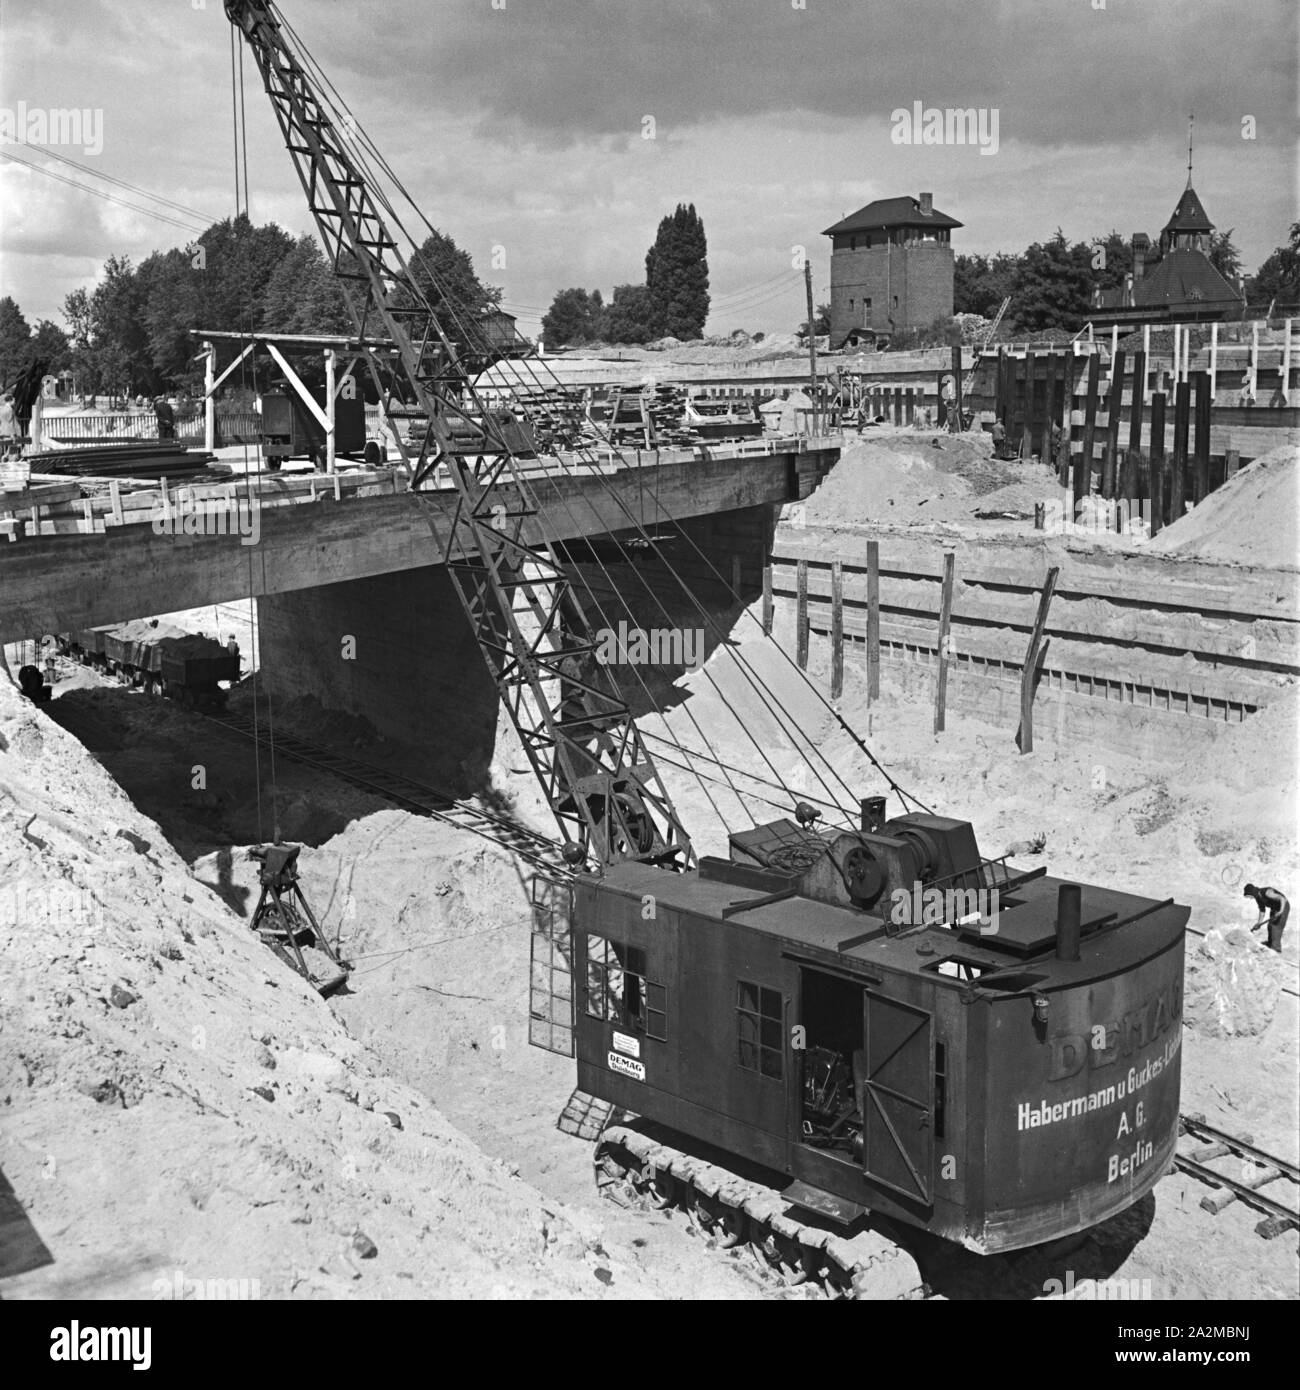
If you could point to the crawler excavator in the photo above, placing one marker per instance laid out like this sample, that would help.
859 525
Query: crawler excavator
785 1055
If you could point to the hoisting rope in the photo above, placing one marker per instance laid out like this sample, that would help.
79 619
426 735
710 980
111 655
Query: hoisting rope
353 135
238 117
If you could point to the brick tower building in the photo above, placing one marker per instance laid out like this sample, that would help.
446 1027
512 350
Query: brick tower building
891 269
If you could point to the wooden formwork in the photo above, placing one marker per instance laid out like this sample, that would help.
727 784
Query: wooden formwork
1160 648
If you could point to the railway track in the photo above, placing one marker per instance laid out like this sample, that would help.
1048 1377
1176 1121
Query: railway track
1257 1170
535 849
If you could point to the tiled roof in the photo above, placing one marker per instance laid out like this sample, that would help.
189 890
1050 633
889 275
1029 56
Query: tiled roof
1189 215
891 212
1183 276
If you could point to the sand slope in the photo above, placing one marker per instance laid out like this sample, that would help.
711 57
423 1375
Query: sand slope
1253 519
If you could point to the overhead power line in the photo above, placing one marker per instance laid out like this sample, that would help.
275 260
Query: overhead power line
121 183
106 196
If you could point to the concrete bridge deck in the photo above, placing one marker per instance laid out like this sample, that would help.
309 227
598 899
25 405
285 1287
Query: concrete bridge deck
84 561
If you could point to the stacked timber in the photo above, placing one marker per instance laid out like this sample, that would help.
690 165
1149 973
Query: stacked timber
137 458
557 417
628 423
667 410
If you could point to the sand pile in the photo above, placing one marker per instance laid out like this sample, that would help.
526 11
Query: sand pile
1253 519
1232 988
437 923
180 1107
874 481
911 478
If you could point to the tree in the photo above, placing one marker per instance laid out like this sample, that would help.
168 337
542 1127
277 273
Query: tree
1112 261
121 337
303 295
1053 285
821 324
1279 277
677 275
15 340
49 343
172 291
574 317
1224 256
627 320
235 263
446 275
980 284
80 316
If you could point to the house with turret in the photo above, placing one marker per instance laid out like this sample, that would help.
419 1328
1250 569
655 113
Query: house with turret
1173 281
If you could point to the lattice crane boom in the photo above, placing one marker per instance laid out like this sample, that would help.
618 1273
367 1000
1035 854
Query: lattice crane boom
571 719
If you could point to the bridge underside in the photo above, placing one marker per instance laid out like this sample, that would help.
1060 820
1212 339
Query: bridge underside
356 609
395 649
63 582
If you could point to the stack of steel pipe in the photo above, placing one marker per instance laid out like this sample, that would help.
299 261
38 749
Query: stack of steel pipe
138 458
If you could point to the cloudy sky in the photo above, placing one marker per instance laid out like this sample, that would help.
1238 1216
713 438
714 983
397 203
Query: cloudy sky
522 125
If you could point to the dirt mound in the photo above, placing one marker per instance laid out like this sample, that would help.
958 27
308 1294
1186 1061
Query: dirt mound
1233 984
1253 519
180 1107
877 481
909 477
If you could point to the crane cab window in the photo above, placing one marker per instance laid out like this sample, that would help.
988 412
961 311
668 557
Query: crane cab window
759 1022
618 991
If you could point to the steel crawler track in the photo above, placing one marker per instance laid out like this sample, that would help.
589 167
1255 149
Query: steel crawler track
737 1211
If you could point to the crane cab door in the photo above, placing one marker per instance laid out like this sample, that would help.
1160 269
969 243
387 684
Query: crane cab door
897 1096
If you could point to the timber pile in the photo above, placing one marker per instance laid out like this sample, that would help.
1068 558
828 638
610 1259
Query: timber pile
557 418
628 423
667 408
137 458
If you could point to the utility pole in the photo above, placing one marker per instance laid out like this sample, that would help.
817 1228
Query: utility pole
812 338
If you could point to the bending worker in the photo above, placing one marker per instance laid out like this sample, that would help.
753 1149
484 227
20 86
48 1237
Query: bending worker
1275 904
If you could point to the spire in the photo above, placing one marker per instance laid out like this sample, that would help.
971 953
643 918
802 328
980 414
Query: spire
1191 121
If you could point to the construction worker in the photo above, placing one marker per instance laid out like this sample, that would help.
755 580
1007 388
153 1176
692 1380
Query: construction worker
1275 904
949 393
166 418
999 439
9 431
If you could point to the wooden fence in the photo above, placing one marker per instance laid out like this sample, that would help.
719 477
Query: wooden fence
88 427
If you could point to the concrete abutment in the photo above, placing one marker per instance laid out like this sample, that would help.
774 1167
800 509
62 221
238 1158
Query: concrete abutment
396 650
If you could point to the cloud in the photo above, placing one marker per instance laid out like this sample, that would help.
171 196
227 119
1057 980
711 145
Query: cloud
521 127
568 69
